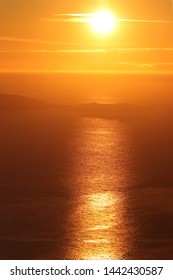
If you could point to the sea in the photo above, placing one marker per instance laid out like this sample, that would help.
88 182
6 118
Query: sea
86 188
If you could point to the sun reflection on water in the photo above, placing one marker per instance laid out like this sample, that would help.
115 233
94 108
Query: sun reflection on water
100 217
99 212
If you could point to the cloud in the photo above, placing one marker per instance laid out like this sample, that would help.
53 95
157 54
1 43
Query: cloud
70 18
92 50
147 65
56 51
144 20
83 17
33 41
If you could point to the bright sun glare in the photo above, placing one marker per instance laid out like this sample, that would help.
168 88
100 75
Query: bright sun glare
103 22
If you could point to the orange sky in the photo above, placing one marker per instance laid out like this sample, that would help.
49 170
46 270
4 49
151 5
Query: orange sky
34 36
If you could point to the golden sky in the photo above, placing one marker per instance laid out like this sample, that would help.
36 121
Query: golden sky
53 35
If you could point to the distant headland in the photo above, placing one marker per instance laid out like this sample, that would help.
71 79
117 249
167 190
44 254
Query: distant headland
120 111
17 102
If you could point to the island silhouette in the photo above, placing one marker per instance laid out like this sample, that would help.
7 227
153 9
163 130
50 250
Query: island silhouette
119 111
17 102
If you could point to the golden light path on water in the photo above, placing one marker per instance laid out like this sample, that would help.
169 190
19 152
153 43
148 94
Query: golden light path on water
99 220
99 214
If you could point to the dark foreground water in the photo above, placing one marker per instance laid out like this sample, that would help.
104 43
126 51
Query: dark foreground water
83 188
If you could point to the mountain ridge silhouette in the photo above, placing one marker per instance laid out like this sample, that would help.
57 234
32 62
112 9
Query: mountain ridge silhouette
19 102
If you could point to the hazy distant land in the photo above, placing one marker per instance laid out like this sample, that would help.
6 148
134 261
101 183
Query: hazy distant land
92 110
110 111
17 102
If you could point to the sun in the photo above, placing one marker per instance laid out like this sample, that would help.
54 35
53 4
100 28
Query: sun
103 22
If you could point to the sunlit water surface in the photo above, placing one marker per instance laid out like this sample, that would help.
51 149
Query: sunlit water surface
72 188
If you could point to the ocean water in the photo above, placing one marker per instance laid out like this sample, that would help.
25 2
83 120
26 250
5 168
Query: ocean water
84 188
